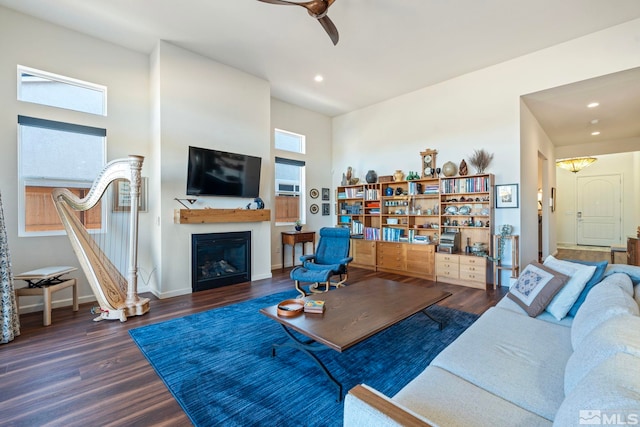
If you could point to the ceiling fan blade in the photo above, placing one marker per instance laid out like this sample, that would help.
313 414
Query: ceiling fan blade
288 3
330 28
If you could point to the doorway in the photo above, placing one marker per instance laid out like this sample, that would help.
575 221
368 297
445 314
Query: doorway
599 210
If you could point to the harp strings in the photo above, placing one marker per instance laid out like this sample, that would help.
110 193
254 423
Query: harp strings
113 234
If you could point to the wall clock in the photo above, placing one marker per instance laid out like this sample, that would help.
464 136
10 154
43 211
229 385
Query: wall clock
428 166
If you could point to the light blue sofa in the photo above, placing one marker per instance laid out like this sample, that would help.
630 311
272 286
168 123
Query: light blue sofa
509 369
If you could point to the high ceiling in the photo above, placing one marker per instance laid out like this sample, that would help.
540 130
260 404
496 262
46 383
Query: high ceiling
567 120
386 48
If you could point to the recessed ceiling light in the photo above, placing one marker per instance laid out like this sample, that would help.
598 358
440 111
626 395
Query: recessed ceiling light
594 121
593 104
318 78
595 133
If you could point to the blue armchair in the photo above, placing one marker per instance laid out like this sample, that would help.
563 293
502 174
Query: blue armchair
332 254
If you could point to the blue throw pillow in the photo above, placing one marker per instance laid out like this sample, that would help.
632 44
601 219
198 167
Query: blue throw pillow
601 266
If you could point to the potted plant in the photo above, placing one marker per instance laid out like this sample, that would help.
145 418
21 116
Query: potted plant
298 225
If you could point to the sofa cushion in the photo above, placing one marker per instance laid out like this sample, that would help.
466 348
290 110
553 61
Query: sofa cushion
633 271
436 394
620 334
601 267
508 304
578 274
515 357
536 287
611 390
636 293
606 300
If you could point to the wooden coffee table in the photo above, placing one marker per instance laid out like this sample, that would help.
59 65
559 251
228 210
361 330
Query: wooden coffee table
353 314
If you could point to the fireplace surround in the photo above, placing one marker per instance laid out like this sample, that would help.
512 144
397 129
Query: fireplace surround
220 259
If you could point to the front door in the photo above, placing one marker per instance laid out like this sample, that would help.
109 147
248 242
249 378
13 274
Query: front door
599 210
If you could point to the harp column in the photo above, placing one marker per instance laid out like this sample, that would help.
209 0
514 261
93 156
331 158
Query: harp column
135 163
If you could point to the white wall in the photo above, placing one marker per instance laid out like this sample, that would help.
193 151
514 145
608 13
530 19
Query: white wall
624 164
480 110
33 43
317 130
206 104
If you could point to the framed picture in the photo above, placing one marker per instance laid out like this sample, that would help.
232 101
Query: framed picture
314 193
552 200
326 209
325 194
507 196
122 198
313 208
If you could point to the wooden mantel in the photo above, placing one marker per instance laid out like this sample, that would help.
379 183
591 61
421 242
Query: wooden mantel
207 216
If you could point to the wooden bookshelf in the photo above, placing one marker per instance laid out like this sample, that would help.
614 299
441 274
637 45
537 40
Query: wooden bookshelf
207 216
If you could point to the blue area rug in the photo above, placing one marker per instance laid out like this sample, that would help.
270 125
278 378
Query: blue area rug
218 364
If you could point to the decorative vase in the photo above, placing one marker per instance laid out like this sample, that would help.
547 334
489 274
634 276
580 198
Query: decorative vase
388 191
371 176
463 168
398 175
298 228
449 169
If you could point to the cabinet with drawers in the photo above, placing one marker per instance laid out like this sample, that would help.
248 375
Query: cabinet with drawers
464 270
414 260
363 253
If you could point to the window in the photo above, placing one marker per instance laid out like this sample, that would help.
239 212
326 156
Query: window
289 190
289 141
55 154
53 90
289 173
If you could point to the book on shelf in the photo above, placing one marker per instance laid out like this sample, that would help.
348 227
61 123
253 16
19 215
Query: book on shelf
314 306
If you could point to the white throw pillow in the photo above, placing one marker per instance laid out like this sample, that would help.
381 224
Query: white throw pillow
579 275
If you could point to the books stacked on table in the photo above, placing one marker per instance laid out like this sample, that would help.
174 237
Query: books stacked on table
314 306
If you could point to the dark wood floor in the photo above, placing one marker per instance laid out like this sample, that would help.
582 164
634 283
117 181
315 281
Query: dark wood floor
77 372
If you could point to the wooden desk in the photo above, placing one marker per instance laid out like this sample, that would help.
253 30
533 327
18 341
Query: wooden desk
293 237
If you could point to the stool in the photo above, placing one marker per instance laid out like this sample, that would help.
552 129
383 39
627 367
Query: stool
301 274
45 281
615 249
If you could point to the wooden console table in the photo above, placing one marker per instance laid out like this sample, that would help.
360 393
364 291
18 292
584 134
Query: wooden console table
293 237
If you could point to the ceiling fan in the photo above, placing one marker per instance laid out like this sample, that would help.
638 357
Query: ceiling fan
317 9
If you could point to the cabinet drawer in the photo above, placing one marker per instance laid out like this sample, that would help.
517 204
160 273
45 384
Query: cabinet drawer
453 274
451 259
393 263
419 255
473 276
389 248
481 262
472 269
420 266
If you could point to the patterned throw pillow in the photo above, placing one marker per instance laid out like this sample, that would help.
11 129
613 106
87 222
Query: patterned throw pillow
536 287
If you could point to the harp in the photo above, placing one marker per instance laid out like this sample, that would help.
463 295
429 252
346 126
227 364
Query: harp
108 252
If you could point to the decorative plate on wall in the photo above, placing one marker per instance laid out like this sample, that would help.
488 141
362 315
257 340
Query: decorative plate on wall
314 208
314 193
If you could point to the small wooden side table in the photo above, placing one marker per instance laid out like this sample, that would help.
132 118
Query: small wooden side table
515 255
293 237
45 281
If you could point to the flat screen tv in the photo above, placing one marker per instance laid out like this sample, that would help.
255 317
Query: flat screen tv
218 173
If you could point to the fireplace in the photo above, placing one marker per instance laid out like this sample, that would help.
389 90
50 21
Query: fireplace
220 259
